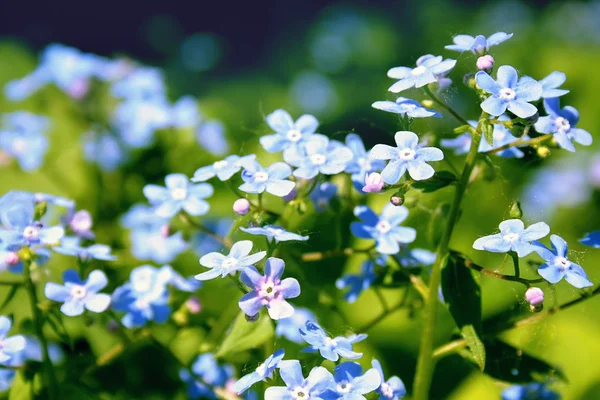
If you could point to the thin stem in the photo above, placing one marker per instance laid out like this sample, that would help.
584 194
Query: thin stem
445 106
382 299
416 281
497 275
189 221
320 255
382 316
515 258
449 348
426 362
520 142
38 321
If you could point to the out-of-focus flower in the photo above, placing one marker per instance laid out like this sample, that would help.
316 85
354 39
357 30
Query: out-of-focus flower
591 239
23 136
104 149
319 155
71 246
11 346
536 390
322 194
290 327
357 283
222 169
210 135
177 195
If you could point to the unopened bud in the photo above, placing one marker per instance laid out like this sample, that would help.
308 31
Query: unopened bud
193 305
535 298
485 63
515 210
543 152
373 183
241 206
11 258
397 199
252 318
81 222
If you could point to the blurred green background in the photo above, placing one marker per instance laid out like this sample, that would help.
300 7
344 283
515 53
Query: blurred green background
332 63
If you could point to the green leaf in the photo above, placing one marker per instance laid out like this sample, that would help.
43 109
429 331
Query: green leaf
513 365
462 294
21 389
77 392
439 180
11 294
462 129
488 132
436 223
245 335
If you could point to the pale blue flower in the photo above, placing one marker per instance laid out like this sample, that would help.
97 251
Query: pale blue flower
357 283
77 295
141 83
351 383
558 266
184 113
71 246
104 149
411 258
290 327
272 179
509 92
591 239
429 69
384 229
319 155
561 123
138 119
322 195
297 387
404 106
290 136
23 136
362 162
551 83
210 135
210 371
178 195
513 237
263 371
274 232
222 169
393 388
406 156
330 349
239 258
195 388
11 346
532 391
479 44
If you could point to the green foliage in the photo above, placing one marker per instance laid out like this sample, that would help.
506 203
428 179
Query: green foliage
246 335
439 180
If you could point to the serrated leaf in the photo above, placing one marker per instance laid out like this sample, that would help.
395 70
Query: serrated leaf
246 335
21 388
436 223
439 180
488 132
462 294
11 294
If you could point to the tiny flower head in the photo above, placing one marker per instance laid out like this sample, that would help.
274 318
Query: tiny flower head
384 229
274 232
322 195
404 106
357 283
239 258
241 206
393 388
297 387
351 383
222 169
290 136
373 183
77 295
263 371
485 63
534 296
319 155
561 123
513 237
329 348
272 179
178 195
429 68
9 346
479 44
558 266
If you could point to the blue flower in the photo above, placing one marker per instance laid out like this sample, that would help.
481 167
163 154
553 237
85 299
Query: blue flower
138 119
330 349
239 258
184 113
351 383
411 258
178 195
478 45
561 123
290 327
509 92
263 371
223 169
406 156
429 69
11 346
77 295
269 291
384 229
558 266
591 239
551 83
393 388
532 391
70 246
23 136
141 83
322 194
290 136
318 380
210 371
513 237
362 163
319 155
203 243
273 179
404 106
154 245
104 149
274 232
211 136
195 388
357 282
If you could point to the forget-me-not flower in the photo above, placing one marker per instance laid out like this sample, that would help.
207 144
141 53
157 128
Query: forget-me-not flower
351 383
77 295
551 84
532 391
558 266
290 327
404 106
269 291
9 346
428 69
406 156
561 123
184 113
290 136
210 371
322 194
357 283
274 232
513 237
411 258
297 387
70 246
23 136
384 229
509 92
591 239
177 195
210 135
104 150
330 349
17 217
479 44
393 388
319 155
239 258
362 163
263 371
137 119
272 179
222 169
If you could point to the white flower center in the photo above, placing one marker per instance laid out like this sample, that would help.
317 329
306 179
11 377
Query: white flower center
78 292
261 177
268 290
19 145
299 393
409 107
261 369
318 159
31 233
329 342
179 193
294 135
386 390
562 262
511 237
507 94
344 387
218 165
383 227
276 231
230 264
143 282
364 163
562 124
407 154
420 70
141 303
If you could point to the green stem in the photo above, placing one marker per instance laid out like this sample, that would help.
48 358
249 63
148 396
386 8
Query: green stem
529 142
445 106
38 321
497 275
515 258
426 361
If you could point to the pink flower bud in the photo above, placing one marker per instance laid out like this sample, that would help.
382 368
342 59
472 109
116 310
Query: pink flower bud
81 222
11 258
485 63
534 296
193 305
373 183
241 206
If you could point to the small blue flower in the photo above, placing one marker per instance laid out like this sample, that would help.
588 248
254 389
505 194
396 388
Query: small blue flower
184 113
393 388
357 282
509 92
269 291
322 194
404 106
10 346
23 136
478 45
210 371
406 156
274 232
513 237
204 243
223 169
141 83
558 266
154 245
561 123
351 383
384 229
239 258
273 179
263 371
591 239
178 195
551 83
70 246
290 136
195 388
290 327
411 258
362 163
210 135
104 149
297 387
77 295
330 349
319 155
138 119
532 391
429 69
